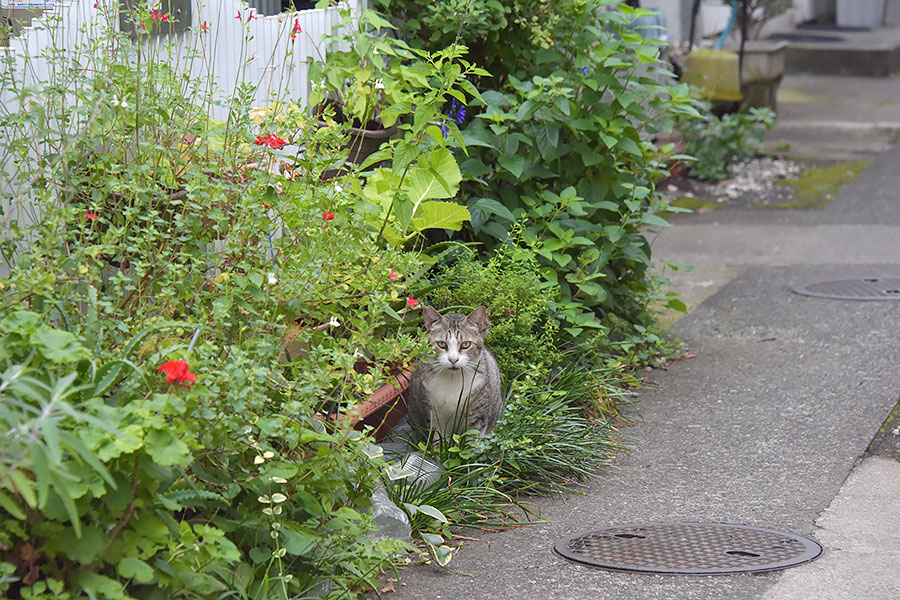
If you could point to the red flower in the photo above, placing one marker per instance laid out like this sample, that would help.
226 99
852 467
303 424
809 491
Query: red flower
89 215
411 302
276 142
266 206
177 371
251 16
204 27
159 15
238 17
328 215
393 275
297 29
271 140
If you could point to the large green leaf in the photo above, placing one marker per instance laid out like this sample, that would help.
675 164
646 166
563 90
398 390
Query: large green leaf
436 176
165 449
440 215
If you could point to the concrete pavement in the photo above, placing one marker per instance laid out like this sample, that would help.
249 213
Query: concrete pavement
767 426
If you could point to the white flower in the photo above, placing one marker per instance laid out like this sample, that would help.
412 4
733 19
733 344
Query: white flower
272 279
338 188
379 84
333 322
375 51
119 102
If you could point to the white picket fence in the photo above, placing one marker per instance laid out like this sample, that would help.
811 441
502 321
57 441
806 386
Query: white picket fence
235 51
218 47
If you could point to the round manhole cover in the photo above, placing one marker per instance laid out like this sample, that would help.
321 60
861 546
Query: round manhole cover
688 549
871 288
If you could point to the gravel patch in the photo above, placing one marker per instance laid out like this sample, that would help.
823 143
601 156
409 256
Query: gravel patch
753 184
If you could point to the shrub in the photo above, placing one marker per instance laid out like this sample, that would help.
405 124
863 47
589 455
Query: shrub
565 146
523 333
716 142
183 327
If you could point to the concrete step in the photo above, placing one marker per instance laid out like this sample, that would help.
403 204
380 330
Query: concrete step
830 50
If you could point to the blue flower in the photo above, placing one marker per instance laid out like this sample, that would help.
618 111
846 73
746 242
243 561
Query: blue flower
444 128
457 112
583 70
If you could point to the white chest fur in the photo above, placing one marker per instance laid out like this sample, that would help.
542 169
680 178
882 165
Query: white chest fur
448 394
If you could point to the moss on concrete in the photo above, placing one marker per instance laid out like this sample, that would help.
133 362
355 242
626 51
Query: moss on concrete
694 204
815 188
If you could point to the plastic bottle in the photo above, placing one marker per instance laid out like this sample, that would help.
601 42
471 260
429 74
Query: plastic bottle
390 518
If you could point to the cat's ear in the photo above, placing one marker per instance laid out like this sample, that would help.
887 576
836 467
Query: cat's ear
430 317
479 319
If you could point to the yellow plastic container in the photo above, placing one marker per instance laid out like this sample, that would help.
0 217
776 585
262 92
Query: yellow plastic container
715 72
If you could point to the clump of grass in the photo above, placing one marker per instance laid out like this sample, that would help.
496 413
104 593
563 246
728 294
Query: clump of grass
815 188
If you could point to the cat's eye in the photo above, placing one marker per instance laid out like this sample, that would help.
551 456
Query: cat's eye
465 345
441 345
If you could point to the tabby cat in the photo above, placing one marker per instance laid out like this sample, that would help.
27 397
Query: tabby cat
458 388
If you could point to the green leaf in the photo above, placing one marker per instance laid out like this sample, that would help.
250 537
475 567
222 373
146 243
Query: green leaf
298 543
494 207
432 512
546 136
58 346
134 568
440 215
513 164
165 449
436 176
10 506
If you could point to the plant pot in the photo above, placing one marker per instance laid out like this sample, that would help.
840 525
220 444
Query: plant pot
362 144
384 408
761 72
860 13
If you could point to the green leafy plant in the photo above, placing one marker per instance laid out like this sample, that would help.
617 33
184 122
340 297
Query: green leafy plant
191 309
716 142
523 334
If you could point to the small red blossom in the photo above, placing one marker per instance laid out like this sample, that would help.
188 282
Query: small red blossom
297 29
89 215
159 15
271 140
393 275
328 215
238 17
266 206
411 302
251 16
204 27
97 4
177 371
276 142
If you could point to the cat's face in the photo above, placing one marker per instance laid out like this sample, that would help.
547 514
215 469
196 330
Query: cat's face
457 340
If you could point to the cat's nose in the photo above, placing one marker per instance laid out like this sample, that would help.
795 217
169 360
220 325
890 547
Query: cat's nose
453 359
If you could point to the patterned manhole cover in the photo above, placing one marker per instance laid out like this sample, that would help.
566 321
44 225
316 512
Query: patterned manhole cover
872 288
688 549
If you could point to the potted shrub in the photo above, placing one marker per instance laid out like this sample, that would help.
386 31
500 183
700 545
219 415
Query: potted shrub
761 60
355 82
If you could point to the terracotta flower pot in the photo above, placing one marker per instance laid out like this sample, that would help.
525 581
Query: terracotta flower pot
384 408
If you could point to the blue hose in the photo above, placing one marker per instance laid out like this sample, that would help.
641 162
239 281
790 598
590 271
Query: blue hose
734 9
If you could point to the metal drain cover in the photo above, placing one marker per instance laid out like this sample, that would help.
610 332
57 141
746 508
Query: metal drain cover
873 288
688 549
